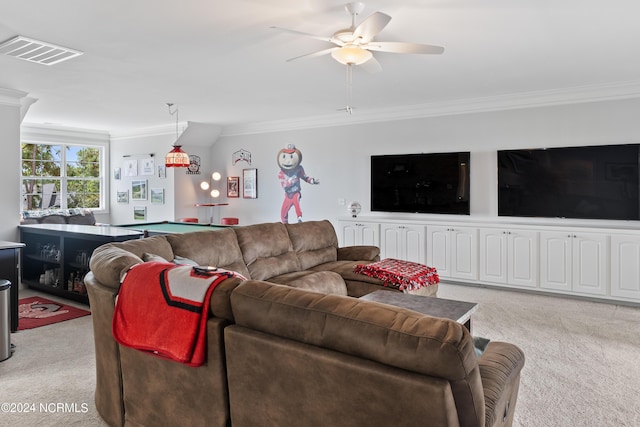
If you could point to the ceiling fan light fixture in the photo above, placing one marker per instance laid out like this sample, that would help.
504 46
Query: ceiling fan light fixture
351 55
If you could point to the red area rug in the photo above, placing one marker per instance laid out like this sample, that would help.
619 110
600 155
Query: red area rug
34 312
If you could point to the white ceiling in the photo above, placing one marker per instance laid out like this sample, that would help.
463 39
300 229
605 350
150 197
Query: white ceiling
221 63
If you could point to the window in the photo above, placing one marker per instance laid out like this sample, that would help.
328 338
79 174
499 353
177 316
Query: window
62 176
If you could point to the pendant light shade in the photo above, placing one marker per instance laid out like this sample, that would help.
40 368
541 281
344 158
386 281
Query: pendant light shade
176 158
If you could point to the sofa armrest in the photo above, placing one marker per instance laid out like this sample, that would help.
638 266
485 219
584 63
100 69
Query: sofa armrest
359 253
500 367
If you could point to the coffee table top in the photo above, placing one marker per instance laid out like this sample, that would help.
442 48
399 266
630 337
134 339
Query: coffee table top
460 311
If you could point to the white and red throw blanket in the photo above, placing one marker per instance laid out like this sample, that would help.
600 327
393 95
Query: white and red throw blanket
404 275
162 308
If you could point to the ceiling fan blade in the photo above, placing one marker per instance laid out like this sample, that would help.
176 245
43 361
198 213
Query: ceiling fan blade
371 26
314 54
400 47
300 33
371 66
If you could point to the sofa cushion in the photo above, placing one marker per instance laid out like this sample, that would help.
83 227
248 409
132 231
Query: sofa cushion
267 250
326 282
379 332
218 248
110 261
386 334
315 242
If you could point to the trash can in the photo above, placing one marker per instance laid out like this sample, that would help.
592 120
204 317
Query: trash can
5 320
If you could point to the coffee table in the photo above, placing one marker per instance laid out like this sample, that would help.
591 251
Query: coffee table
460 311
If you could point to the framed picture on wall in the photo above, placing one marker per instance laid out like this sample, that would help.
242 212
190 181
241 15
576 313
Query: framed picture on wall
162 171
139 189
117 173
130 167
250 183
123 196
147 166
140 213
157 195
233 186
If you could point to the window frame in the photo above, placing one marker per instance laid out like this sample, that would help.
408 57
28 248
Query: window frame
70 138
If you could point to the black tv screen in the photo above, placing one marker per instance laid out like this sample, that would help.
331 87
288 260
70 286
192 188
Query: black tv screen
421 183
596 182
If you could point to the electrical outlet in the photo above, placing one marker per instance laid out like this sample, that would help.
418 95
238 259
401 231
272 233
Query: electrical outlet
342 202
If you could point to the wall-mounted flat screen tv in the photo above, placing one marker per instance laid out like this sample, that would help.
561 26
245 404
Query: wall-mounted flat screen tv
421 183
595 182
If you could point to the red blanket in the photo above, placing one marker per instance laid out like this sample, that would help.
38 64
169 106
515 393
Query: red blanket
404 275
163 308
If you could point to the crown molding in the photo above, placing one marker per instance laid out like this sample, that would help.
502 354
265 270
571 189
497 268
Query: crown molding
544 98
190 133
55 133
11 97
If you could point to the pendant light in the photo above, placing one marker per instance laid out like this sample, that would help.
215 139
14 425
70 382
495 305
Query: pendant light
176 158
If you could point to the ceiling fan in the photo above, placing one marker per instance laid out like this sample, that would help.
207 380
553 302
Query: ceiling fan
353 45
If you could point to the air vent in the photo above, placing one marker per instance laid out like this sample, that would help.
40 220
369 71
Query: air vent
37 51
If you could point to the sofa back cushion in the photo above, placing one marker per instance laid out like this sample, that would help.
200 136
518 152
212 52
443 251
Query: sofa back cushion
315 242
267 250
110 261
218 248
390 335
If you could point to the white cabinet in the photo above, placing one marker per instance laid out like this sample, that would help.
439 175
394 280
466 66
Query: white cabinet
401 241
574 262
625 266
509 256
354 233
453 251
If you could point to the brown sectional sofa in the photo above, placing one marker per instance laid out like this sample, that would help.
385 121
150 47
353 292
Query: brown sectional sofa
279 355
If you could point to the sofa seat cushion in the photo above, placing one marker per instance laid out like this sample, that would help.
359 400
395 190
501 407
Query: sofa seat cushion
345 269
315 242
218 248
326 282
267 250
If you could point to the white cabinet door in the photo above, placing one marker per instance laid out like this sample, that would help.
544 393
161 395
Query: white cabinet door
555 260
493 255
625 266
590 263
368 234
522 258
405 242
348 233
573 262
464 253
414 243
354 233
509 257
439 249
453 251
390 241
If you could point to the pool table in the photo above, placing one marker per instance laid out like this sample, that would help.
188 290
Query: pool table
167 227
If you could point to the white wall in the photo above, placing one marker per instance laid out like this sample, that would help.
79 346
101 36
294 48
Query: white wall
340 156
181 191
10 171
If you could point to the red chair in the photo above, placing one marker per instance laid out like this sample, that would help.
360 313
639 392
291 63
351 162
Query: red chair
229 221
188 220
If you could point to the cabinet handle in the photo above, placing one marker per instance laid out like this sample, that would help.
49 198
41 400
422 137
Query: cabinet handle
569 236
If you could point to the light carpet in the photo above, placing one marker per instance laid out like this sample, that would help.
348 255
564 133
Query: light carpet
581 365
